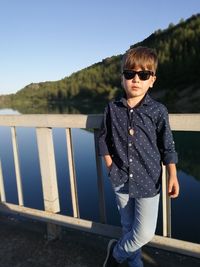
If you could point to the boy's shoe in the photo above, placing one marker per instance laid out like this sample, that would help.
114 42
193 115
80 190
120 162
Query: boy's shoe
110 260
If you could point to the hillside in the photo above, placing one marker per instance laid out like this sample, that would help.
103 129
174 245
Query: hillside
87 91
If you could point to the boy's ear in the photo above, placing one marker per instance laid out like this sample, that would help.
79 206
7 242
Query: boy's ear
153 79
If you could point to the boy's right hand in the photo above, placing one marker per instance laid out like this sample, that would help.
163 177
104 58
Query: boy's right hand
108 161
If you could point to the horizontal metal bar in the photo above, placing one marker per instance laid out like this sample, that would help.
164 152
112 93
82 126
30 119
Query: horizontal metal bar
176 246
170 244
52 120
63 220
178 122
184 122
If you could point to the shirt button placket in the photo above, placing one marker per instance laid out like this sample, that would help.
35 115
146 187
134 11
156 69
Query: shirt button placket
130 147
130 158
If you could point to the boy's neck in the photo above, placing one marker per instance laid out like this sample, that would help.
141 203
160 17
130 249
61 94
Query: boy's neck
134 101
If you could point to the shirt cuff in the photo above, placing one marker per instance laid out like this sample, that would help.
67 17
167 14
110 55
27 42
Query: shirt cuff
170 158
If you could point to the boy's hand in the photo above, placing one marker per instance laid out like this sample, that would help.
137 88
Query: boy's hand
173 187
108 161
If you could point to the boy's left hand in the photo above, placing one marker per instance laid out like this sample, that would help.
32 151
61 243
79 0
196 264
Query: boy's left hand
173 187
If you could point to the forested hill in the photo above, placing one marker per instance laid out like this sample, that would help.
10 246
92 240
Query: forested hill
177 85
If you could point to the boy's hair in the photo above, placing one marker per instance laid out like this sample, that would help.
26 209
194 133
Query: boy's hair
140 57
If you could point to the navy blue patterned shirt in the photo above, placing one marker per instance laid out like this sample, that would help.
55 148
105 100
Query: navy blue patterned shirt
139 140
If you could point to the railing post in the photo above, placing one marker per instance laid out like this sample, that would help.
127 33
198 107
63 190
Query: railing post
166 204
72 174
17 167
49 177
101 193
2 188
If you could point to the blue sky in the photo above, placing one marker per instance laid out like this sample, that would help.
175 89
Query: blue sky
47 40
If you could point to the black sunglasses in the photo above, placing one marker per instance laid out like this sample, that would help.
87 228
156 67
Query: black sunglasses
143 74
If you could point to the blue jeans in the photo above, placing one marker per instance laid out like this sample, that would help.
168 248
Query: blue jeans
138 219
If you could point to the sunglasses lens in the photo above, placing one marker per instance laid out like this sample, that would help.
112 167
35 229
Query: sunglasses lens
143 75
129 74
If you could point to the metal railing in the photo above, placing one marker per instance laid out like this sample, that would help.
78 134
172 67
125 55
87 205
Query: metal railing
44 125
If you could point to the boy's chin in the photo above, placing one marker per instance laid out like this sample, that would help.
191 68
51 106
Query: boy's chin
133 94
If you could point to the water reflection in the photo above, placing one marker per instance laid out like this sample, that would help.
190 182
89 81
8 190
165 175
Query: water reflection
188 147
9 111
60 108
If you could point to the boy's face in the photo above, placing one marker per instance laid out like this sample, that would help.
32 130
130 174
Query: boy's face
137 87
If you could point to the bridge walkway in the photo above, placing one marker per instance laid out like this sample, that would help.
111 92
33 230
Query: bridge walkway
24 244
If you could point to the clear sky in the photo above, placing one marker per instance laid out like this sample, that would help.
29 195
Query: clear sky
47 40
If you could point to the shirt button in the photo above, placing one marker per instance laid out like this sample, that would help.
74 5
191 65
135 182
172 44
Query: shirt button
131 110
129 144
130 160
131 175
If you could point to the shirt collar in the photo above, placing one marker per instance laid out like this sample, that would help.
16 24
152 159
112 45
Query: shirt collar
146 101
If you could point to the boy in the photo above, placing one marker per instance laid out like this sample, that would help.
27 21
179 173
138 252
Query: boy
134 140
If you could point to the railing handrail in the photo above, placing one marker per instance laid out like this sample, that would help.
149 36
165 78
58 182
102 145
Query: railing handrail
178 122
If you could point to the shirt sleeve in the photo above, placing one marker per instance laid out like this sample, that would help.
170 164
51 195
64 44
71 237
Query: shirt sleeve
103 139
165 140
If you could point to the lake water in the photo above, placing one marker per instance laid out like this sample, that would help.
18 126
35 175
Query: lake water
185 209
